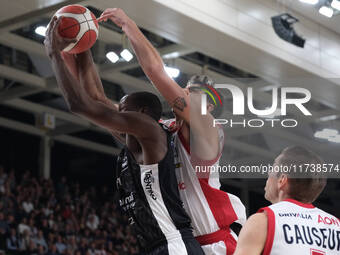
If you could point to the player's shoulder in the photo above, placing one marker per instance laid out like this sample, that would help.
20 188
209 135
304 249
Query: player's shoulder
258 218
253 235
256 225
256 222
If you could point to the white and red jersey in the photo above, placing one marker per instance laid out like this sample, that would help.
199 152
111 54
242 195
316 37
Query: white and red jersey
297 228
211 210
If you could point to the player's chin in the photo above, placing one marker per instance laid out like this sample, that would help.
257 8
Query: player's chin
266 196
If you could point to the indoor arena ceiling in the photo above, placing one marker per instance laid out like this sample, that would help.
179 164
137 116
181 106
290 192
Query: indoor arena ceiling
27 84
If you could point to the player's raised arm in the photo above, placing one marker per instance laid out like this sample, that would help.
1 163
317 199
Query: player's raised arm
189 110
77 97
82 67
151 62
88 76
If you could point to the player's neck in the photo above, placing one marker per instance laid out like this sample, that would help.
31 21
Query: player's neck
281 197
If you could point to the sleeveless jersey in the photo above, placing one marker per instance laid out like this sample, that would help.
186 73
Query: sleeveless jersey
297 228
149 196
209 208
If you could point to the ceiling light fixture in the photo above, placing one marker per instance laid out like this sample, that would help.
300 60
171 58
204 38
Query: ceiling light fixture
334 139
113 57
41 30
336 4
329 118
309 1
326 11
127 55
328 134
172 72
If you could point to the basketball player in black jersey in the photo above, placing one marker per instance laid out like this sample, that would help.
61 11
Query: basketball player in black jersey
145 178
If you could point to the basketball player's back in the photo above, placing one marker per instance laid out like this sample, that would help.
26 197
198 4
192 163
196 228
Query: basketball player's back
298 228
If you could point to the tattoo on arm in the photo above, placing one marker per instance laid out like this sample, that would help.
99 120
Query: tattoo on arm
179 103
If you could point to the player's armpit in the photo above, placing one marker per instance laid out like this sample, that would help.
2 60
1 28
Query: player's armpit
119 137
188 108
176 97
179 104
253 235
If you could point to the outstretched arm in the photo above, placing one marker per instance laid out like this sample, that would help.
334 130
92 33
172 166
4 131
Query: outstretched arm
76 96
84 70
151 62
253 236
153 66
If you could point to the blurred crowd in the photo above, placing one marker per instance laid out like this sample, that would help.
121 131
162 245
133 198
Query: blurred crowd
39 216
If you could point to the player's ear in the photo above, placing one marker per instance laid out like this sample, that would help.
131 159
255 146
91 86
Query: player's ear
282 181
210 107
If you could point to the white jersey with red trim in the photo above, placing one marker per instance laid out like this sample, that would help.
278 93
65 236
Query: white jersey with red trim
297 228
209 208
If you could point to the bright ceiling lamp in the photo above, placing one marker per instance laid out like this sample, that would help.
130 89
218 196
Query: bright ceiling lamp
113 57
336 5
309 1
172 72
329 118
320 134
326 11
334 139
326 133
331 132
127 55
41 30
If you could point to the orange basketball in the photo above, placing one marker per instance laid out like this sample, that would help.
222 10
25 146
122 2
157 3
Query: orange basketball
80 23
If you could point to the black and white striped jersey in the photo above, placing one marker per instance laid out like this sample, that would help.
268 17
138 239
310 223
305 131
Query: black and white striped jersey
149 196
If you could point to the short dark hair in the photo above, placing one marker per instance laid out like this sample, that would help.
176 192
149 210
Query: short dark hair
149 101
306 186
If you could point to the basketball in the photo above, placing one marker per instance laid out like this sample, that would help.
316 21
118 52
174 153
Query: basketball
80 23
181 127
